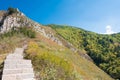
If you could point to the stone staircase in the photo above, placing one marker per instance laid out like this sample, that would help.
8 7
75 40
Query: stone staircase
16 68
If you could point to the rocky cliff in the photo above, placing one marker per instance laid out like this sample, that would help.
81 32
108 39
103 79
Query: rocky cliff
14 18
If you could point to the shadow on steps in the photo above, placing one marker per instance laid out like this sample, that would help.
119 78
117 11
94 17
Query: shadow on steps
1 70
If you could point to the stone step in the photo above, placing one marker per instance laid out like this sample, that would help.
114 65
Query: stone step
8 77
17 62
25 76
17 71
18 77
13 60
14 56
19 50
15 66
29 79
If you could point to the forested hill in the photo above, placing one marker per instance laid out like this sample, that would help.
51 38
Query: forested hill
102 48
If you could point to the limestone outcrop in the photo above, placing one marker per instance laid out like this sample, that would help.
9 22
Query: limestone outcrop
8 21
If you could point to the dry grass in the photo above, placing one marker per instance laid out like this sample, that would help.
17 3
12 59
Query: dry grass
83 68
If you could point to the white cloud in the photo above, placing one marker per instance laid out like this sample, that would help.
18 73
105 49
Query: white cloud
109 30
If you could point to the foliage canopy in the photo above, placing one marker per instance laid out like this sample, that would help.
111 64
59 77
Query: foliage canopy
103 49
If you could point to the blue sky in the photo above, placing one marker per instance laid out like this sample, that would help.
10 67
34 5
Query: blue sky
92 15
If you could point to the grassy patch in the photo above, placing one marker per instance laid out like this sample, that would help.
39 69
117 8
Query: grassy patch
47 65
52 62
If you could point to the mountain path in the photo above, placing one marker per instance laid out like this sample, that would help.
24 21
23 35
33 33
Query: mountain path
17 68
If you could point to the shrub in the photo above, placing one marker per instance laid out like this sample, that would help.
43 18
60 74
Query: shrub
12 10
27 31
47 65
22 30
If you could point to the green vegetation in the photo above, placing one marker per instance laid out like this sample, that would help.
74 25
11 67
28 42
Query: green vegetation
14 36
53 62
48 65
17 37
103 49
12 10
26 31
50 61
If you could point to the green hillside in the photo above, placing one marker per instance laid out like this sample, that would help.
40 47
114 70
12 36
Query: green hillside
52 54
50 60
103 49
54 62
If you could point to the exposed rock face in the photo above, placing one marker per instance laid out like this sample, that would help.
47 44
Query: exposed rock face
7 22
49 35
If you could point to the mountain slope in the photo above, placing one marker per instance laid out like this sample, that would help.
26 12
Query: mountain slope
103 49
53 57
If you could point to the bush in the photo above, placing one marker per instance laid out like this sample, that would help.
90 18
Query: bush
47 65
29 32
12 10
